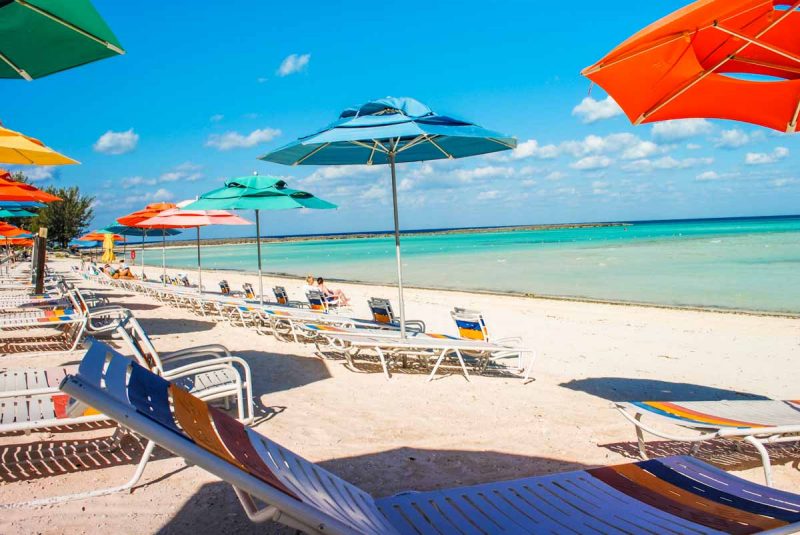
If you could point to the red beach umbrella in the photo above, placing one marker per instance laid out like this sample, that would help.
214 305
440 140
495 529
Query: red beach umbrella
709 60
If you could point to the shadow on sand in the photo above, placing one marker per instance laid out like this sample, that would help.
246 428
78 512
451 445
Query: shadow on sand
275 372
215 508
627 389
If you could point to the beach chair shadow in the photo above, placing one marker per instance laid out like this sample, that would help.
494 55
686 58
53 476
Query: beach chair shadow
37 460
276 372
725 454
162 326
625 389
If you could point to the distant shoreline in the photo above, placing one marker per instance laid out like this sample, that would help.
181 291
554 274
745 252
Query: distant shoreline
211 242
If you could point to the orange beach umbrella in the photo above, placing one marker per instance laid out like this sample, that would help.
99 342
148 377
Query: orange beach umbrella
135 218
11 190
100 236
710 60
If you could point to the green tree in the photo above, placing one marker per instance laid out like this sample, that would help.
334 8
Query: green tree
66 219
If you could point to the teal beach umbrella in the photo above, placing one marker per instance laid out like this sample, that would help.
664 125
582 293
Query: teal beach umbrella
391 131
15 212
257 193
42 37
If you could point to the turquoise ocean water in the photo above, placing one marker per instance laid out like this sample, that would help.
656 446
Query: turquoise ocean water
748 263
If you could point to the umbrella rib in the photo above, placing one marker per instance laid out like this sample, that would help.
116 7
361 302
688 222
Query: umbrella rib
759 43
71 26
372 152
501 142
310 154
433 142
722 62
630 55
376 145
412 143
792 127
19 71
767 64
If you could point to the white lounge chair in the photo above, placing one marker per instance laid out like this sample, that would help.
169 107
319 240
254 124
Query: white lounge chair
673 495
757 422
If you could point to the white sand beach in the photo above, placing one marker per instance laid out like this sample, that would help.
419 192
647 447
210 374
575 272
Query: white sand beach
407 433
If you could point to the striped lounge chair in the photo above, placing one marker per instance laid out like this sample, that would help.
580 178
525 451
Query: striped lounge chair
383 314
472 326
672 495
757 422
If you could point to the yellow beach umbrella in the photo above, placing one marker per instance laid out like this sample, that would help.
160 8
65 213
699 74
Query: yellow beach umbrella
16 148
108 249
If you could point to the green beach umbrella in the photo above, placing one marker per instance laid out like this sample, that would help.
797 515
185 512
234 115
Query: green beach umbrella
390 131
257 193
42 37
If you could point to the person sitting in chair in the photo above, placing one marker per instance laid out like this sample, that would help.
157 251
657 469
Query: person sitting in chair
329 294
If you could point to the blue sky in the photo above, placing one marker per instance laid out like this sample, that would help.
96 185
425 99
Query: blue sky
207 87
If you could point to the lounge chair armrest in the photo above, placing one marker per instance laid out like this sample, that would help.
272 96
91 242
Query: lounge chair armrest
509 340
208 348
416 325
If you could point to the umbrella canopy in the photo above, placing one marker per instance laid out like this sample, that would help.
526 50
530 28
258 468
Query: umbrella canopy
151 210
100 236
10 231
24 242
20 205
17 192
15 212
390 131
257 193
178 218
123 230
16 148
41 37
705 61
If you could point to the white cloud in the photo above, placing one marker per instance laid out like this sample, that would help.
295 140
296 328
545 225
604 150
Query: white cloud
707 176
293 63
629 145
783 182
732 139
556 175
117 142
680 129
763 158
693 146
483 173
186 172
639 150
130 182
487 195
40 173
217 117
591 110
667 162
235 140
532 149
590 163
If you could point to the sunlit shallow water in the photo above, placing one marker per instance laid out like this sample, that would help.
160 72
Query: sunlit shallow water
750 264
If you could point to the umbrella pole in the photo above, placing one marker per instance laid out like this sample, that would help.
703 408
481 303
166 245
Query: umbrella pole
143 236
258 245
397 248
164 256
199 266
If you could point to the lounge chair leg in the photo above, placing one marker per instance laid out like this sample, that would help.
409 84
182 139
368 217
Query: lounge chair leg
383 364
436 366
640 438
765 462
463 366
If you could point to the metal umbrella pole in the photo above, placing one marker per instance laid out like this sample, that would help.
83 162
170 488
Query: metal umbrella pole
258 245
199 266
143 236
164 256
397 247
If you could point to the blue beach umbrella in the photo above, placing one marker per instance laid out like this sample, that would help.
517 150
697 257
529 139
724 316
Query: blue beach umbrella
257 193
15 212
390 131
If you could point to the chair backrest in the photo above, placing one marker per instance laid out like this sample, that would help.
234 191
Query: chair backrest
142 348
317 301
381 310
183 279
249 293
309 498
280 295
470 323
224 287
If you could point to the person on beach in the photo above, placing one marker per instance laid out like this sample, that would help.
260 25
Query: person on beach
309 285
123 272
328 293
